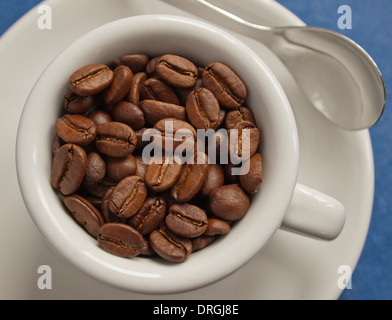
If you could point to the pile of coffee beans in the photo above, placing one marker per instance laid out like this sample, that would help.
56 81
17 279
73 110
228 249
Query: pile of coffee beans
166 208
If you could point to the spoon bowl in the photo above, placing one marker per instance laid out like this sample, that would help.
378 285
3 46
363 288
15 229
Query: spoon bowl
336 75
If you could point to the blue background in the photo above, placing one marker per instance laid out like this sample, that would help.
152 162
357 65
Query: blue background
371 28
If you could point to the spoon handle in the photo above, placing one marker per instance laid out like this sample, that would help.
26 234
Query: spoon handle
232 16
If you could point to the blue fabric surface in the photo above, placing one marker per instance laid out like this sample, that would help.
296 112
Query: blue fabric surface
371 28
11 11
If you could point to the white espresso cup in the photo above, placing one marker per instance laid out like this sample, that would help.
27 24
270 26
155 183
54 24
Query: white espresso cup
280 203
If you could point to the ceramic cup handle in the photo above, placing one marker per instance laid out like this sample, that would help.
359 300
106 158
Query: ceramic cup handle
314 214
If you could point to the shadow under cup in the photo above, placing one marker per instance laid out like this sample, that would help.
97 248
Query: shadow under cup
202 44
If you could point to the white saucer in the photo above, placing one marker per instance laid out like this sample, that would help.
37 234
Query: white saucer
335 161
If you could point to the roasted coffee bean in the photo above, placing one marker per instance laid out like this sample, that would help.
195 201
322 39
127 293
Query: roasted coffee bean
119 168
139 137
76 129
115 139
170 246
136 87
241 114
121 83
68 168
186 220
128 113
229 202
182 93
225 84
149 216
217 226
243 141
128 196
215 178
99 117
176 71
107 215
141 167
174 132
98 189
95 169
151 65
91 79
191 178
155 89
161 175
77 104
230 176
218 124
56 144
120 239
251 180
84 213
201 242
146 249
136 62
157 110
202 109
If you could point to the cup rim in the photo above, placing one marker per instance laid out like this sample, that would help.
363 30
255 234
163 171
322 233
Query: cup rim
39 208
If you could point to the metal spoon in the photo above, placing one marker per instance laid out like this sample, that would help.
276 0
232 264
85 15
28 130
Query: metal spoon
336 74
